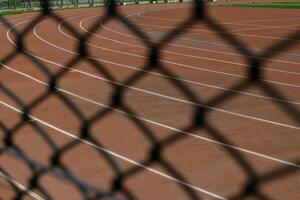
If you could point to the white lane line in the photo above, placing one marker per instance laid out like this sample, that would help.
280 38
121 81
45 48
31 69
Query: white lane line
119 156
204 58
141 14
161 75
259 28
175 130
263 20
181 65
151 92
243 23
262 27
20 186
182 54
177 78
202 49
124 157
187 66
206 32
240 34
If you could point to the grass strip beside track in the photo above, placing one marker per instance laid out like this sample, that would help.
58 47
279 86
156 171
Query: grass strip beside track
14 12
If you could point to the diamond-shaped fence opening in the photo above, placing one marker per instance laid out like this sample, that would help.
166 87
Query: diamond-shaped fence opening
120 169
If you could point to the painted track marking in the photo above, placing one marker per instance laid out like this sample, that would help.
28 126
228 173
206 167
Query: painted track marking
165 126
158 74
151 92
119 156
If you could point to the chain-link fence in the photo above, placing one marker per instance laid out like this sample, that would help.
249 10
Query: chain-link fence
37 4
118 189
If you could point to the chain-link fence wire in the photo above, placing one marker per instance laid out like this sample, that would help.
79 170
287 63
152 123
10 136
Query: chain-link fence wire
37 4
56 168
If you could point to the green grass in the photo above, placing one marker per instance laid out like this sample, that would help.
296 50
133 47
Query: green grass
22 10
290 5
14 12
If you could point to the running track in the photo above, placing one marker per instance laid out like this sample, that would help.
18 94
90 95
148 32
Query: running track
252 122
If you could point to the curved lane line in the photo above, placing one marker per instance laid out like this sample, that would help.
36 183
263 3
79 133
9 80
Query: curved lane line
119 156
156 123
186 55
155 73
161 125
20 186
150 92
